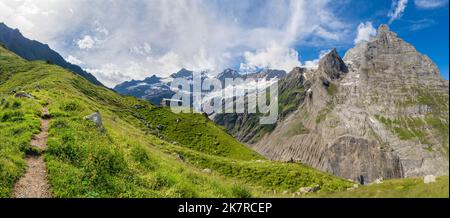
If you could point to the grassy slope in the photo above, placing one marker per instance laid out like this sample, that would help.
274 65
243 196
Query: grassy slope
136 154
397 188
18 122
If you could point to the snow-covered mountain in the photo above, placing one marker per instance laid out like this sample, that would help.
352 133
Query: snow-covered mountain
154 88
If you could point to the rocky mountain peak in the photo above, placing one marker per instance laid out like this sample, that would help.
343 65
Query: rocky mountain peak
228 73
333 65
383 28
386 37
152 79
183 73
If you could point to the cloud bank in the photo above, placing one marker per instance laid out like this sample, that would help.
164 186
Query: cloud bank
121 40
273 57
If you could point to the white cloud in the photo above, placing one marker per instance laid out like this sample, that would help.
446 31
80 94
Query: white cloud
194 34
145 49
87 42
273 57
112 74
314 64
170 62
397 9
74 60
365 32
430 4
327 34
421 24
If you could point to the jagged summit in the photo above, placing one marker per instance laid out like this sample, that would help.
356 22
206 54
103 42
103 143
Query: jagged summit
385 37
333 65
228 73
183 73
383 28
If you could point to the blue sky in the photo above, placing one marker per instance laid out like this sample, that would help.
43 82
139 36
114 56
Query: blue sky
122 40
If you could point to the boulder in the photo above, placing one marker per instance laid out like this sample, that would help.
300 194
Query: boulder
207 171
378 181
23 95
96 118
429 179
180 157
305 190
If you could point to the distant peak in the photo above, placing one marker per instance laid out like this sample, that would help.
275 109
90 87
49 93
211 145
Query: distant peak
4 26
229 70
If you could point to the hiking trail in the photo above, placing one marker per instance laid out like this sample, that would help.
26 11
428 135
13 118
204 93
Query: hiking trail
34 183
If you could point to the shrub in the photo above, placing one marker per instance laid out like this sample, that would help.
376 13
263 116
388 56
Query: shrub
70 106
141 156
240 192
16 105
12 116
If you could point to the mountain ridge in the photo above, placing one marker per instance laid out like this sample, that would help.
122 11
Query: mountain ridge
154 88
35 50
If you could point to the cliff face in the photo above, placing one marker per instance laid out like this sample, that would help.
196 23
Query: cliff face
381 111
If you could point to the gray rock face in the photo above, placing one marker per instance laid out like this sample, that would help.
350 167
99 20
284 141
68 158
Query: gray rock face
386 116
333 65
96 118
245 127
352 157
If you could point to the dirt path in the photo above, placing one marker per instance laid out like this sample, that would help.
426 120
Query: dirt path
34 184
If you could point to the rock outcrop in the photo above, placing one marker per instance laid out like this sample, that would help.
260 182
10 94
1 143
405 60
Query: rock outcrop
96 118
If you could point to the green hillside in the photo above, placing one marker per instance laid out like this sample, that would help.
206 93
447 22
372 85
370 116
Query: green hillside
143 150
396 188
